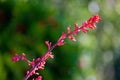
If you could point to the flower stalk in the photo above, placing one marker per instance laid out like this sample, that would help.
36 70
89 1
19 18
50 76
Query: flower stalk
39 63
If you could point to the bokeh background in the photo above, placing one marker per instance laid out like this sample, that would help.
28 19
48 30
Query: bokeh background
26 24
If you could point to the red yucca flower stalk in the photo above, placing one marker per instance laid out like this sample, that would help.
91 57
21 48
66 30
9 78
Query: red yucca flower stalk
39 63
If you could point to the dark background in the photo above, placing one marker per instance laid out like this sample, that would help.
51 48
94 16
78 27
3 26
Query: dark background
26 24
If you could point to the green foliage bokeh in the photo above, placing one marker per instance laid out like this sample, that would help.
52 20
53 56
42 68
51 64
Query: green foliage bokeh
26 24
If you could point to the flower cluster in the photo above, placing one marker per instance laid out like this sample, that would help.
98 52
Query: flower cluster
89 24
17 57
39 63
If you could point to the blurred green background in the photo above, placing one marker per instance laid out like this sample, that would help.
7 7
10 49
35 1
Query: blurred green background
26 24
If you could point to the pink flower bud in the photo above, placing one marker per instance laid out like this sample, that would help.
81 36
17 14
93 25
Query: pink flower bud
23 57
16 58
72 38
68 29
60 43
48 44
76 30
39 78
51 55
32 63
